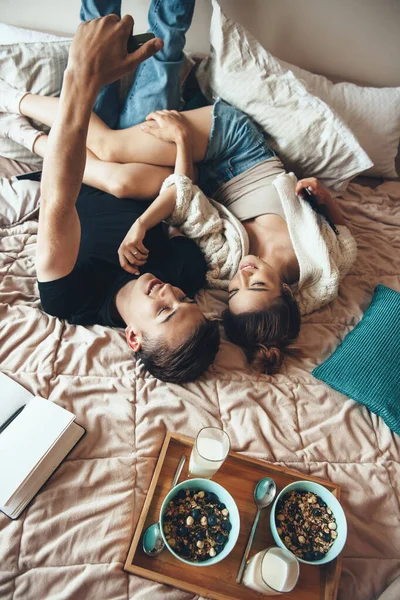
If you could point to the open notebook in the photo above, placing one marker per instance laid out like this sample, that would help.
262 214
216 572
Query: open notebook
35 436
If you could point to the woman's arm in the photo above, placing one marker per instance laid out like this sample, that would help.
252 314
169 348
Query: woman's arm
163 206
169 126
219 235
184 157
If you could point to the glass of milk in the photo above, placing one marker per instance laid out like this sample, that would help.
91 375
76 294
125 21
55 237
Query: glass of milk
272 571
210 449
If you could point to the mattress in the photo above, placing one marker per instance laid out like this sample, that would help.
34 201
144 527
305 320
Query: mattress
72 541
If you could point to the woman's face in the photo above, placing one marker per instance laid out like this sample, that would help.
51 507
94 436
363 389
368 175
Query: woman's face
255 286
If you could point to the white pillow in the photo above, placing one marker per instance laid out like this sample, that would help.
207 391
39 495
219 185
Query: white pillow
373 115
9 34
310 138
37 67
19 201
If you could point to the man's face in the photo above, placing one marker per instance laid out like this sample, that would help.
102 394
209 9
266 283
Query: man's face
255 287
160 311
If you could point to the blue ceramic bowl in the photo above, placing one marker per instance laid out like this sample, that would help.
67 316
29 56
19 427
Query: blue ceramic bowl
333 504
224 496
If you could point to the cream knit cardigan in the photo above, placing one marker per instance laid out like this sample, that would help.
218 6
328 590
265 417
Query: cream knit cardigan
221 237
323 257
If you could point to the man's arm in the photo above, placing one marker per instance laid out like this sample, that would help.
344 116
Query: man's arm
98 56
64 163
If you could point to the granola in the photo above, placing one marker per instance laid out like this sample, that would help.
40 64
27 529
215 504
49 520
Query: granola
305 524
196 525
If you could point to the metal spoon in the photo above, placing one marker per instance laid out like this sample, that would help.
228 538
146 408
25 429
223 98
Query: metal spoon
153 543
264 494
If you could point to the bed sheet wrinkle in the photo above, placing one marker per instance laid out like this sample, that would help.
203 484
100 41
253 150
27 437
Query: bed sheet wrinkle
10 535
94 350
88 581
343 433
72 541
7 583
352 302
159 415
255 415
100 402
20 327
388 443
355 581
95 511
393 471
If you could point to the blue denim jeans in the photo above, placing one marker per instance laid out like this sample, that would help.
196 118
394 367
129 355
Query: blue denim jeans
235 145
156 82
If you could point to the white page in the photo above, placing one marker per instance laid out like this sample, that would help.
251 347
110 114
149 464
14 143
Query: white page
12 397
18 501
26 441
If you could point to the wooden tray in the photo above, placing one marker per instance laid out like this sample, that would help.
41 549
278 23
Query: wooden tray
239 475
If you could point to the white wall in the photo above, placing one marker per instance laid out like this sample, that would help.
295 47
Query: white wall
356 40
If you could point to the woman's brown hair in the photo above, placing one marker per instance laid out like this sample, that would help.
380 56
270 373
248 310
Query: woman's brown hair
267 335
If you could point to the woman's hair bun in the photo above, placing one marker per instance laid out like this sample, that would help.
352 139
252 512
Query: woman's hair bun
267 359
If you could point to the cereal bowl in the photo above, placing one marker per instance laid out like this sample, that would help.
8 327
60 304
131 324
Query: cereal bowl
224 497
337 518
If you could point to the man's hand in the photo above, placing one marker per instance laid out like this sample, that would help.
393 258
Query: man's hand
132 253
167 125
99 50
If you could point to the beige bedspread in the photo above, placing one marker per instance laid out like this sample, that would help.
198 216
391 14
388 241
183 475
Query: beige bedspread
72 541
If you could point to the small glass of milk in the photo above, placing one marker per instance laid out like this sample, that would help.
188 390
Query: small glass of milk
210 449
272 571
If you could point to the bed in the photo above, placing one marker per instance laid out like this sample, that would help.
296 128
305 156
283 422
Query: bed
72 541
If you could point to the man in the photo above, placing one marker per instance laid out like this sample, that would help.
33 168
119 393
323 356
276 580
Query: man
81 228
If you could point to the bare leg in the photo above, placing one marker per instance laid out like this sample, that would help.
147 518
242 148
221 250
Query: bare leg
130 145
132 180
133 145
45 108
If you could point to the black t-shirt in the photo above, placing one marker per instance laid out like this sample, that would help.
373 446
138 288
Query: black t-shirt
86 296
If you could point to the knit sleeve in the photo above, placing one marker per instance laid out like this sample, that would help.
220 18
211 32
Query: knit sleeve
219 234
341 253
184 195
324 258
346 250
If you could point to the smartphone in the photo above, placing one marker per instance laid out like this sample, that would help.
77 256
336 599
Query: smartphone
135 41
307 195
32 176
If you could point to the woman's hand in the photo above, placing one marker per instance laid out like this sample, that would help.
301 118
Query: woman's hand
320 191
132 253
329 205
167 125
